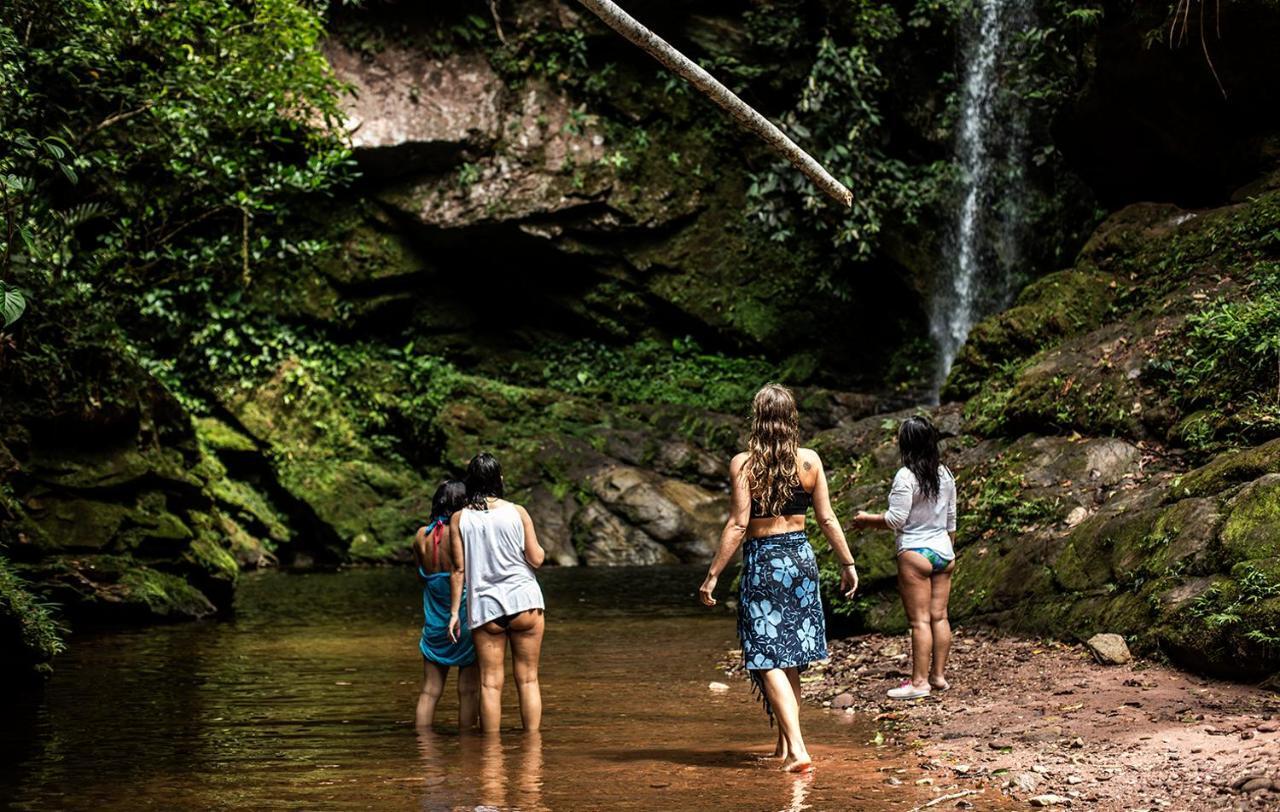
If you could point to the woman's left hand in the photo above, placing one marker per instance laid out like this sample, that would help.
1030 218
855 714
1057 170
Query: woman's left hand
708 587
849 580
455 628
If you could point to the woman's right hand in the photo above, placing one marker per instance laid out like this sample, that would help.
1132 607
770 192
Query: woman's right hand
706 590
849 580
455 628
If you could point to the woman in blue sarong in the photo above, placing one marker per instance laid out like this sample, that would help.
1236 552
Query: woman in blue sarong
439 651
780 619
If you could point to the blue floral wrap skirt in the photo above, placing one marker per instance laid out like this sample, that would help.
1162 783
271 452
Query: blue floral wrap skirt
780 620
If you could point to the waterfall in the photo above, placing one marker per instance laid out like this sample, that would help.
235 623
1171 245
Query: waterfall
982 251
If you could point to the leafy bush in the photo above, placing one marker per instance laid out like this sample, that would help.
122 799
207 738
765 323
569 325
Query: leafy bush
26 621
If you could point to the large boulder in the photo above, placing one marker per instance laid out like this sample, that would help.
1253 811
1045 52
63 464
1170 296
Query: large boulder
683 517
409 112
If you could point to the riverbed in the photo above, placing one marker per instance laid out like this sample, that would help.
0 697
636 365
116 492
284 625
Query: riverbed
304 700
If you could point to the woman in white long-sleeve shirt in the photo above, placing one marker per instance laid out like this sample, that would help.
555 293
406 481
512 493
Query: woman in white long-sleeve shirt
922 513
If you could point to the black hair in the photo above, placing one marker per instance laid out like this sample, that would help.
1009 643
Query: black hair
484 479
918 443
450 497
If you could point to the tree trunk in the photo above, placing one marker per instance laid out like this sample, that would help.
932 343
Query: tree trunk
690 71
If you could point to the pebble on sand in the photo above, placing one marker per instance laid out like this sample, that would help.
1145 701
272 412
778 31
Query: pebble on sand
717 687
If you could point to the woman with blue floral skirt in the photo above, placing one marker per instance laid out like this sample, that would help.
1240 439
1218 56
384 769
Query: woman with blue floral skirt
780 618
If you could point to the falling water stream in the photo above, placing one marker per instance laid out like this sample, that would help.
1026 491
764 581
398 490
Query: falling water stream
990 138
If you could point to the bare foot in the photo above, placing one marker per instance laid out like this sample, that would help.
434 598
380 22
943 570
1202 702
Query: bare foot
780 751
938 683
798 763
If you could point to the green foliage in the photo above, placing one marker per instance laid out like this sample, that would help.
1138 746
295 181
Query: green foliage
29 620
156 151
1226 603
839 115
12 304
1228 361
650 371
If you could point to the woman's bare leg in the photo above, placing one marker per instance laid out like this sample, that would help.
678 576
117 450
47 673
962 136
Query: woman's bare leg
940 626
793 677
782 698
433 677
525 632
491 648
468 697
915 585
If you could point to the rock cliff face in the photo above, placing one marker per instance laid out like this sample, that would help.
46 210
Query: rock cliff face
1095 491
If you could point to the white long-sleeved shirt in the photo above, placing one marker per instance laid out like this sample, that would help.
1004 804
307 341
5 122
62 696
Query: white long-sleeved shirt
921 522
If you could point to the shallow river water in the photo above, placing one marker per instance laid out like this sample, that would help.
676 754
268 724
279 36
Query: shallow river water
304 700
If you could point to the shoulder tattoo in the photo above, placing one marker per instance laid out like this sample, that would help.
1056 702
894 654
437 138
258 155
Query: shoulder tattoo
808 466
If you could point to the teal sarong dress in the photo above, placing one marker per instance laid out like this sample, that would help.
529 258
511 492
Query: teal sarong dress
435 644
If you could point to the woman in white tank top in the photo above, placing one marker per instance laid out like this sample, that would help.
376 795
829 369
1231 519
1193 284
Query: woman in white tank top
495 550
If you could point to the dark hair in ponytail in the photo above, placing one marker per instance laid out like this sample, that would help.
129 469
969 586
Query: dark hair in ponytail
450 497
918 442
484 479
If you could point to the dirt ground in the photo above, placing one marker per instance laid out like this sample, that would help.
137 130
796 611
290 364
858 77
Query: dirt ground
1033 718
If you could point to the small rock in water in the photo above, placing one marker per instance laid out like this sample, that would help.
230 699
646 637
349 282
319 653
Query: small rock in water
841 701
1109 649
717 687
1048 800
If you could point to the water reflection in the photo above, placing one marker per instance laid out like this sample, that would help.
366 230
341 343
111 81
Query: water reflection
508 770
306 700
800 793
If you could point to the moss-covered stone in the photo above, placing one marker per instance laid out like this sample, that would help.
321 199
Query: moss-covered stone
219 436
1053 307
1252 528
1227 469
163 594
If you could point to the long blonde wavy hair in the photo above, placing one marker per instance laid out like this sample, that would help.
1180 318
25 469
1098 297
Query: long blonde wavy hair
770 470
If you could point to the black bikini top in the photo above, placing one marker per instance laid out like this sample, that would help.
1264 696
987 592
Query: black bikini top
797 505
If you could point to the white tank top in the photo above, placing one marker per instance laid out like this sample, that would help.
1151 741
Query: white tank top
499 580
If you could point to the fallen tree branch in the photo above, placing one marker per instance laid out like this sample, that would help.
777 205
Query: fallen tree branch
942 798
631 29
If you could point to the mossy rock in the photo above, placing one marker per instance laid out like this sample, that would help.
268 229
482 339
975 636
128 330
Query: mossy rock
1252 528
77 524
1053 307
164 595
1228 469
113 468
219 436
244 500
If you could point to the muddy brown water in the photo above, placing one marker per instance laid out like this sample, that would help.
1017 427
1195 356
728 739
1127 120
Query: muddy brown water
304 700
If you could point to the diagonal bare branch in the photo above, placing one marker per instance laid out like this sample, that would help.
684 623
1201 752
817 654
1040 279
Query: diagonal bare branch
631 29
